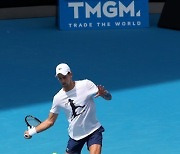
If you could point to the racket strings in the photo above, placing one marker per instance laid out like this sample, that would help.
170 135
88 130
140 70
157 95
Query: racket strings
32 121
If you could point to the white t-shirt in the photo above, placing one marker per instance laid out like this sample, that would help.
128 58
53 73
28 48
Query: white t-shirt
79 108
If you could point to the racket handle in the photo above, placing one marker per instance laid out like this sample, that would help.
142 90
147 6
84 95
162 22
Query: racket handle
26 136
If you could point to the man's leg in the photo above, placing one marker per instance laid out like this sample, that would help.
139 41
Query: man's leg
95 141
95 149
75 147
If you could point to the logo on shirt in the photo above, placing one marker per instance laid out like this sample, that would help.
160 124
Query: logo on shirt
74 109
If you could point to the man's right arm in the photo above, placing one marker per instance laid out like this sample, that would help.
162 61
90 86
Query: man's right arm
43 126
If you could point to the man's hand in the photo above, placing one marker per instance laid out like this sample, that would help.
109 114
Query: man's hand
103 93
26 135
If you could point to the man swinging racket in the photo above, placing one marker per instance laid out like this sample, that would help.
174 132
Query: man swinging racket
76 99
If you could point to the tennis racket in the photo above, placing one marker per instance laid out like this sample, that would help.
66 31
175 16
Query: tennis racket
31 122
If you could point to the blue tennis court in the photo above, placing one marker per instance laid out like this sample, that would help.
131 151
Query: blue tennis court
140 67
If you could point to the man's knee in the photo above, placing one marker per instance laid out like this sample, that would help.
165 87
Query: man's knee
95 149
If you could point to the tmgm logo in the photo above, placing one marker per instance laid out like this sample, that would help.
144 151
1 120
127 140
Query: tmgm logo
109 9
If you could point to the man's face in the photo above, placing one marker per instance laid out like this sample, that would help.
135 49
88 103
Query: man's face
65 80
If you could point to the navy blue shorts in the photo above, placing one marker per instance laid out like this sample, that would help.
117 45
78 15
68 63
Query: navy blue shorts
75 147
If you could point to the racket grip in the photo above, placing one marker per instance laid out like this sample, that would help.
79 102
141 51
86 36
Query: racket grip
26 136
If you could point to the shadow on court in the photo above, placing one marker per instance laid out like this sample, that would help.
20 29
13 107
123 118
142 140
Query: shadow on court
117 59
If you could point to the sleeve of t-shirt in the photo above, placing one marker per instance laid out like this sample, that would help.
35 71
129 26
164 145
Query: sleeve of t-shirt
55 108
92 88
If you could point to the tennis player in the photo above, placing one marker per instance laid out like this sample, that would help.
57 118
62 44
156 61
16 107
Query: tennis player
76 99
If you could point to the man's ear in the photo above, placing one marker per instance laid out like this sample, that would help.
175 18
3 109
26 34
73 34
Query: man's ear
71 74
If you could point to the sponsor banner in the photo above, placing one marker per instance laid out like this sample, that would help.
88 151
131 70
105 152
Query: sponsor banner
102 14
